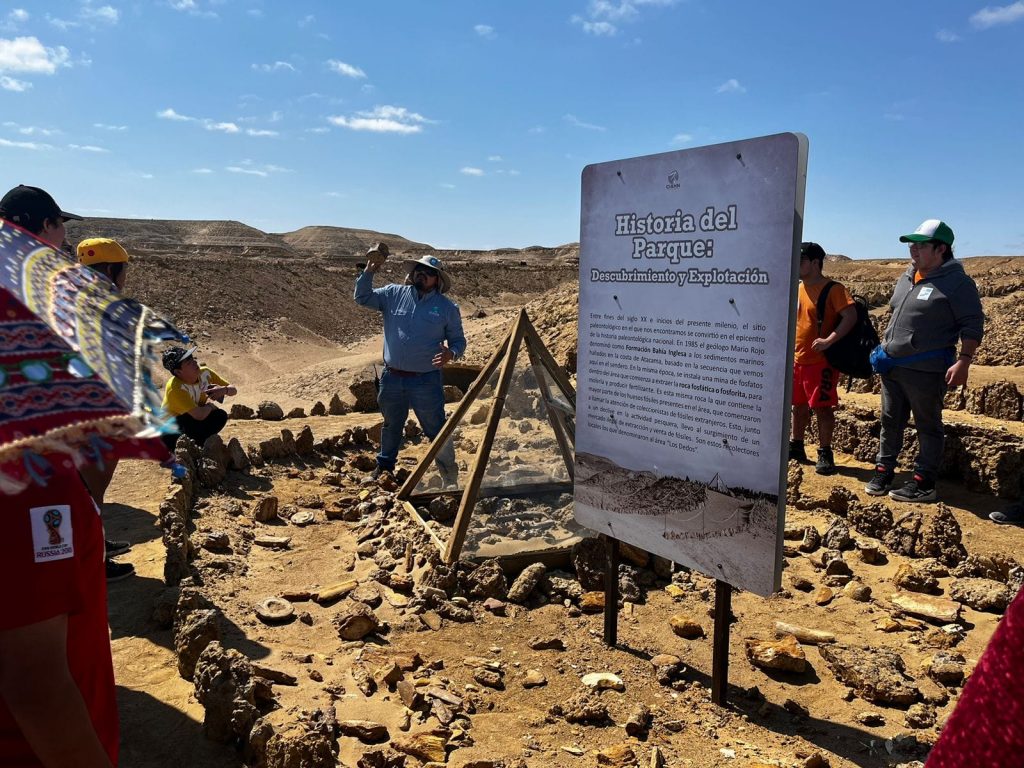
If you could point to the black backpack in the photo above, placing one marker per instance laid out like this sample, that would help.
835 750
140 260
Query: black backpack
852 353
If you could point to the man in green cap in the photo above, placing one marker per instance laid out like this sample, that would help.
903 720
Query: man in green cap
935 305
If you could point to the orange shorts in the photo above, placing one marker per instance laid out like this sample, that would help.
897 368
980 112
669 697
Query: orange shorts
816 385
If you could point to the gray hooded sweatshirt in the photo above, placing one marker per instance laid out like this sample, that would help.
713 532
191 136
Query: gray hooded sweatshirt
934 314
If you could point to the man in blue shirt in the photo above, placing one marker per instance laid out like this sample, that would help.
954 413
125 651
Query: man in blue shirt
422 333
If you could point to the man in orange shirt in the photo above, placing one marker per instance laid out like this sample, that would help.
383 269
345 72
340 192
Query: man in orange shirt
815 382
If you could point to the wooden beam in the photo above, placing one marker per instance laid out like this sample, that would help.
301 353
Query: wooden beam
549 362
411 510
469 495
557 425
456 418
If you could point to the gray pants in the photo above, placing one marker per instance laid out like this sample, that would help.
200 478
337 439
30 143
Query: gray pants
905 392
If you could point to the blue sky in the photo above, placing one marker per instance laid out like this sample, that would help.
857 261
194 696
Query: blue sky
467 124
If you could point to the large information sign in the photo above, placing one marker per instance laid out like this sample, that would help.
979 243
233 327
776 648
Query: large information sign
687 306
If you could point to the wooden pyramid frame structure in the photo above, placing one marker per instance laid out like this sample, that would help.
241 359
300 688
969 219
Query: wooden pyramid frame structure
561 413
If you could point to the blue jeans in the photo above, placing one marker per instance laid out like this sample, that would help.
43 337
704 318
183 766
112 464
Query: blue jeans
424 393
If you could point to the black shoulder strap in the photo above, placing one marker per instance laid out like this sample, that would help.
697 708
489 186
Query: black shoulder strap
822 299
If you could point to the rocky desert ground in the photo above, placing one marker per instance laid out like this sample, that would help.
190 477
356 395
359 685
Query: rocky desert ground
287 612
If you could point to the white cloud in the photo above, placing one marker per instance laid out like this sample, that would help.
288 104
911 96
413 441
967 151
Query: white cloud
575 121
62 24
382 119
27 54
89 148
485 31
305 21
202 170
277 66
494 158
603 15
682 138
105 127
596 28
221 127
945 36
170 114
732 85
18 16
276 116
34 145
108 14
445 185
260 132
256 13
10 84
318 129
191 7
31 130
994 15
468 171
537 130
250 171
345 69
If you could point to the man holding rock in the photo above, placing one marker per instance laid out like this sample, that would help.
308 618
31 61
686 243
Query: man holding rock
422 334
934 306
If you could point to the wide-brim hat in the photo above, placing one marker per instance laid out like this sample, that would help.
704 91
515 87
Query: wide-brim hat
433 263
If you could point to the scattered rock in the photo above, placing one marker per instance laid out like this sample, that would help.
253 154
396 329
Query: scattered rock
921 716
583 707
427 747
239 411
618 755
354 621
824 596
193 632
803 634
487 580
590 560
305 442
534 679
365 393
838 536
784 655
875 674
639 721
265 509
592 602
268 410
526 582
275 610
982 594
914 579
945 667
857 591
366 731
337 407
599 681
925 606
227 687
318 409
549 643
237 457
686 627
272 542
811 540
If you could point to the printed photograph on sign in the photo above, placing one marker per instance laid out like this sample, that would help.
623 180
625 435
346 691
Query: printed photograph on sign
687 297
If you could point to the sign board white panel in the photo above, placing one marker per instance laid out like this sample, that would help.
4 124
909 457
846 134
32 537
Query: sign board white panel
687 309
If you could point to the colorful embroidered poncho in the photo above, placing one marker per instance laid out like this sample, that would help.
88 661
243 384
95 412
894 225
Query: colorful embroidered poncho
75 366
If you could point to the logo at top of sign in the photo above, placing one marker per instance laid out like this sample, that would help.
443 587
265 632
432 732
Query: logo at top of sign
673 180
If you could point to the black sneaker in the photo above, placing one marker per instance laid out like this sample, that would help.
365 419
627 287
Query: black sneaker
117 571
916 490
826 464
880 482
115 548
797 452
1012 515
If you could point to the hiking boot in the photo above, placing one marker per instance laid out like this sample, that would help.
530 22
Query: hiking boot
115 548
826 464
916 490
880 482
450 478
377 472
118 571
1012 515
797 452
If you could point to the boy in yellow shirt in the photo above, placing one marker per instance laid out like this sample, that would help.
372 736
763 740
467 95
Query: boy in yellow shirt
190 393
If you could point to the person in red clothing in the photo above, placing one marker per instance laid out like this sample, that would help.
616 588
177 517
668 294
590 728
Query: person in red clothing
815 382
987 724
57 695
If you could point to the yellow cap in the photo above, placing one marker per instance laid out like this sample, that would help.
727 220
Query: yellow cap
101 250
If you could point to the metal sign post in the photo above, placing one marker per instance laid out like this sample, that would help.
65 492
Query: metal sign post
720 643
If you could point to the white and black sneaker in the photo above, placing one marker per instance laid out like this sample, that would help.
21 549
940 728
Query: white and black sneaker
117 571
880 482
917 490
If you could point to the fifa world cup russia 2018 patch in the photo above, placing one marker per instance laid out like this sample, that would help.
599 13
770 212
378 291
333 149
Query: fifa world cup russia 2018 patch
52 537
